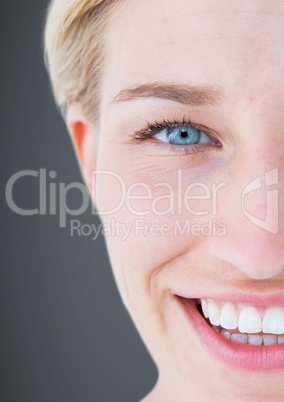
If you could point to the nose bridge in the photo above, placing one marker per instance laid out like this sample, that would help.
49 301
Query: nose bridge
252 212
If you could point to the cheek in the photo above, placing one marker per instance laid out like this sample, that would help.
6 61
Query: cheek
150 222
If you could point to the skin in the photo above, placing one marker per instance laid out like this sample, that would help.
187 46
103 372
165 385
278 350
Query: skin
237 47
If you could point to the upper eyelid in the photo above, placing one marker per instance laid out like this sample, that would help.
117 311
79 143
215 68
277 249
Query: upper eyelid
157 126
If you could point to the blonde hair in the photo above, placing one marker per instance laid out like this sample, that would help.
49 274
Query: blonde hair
74 38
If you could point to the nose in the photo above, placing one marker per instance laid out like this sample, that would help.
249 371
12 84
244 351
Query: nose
251 210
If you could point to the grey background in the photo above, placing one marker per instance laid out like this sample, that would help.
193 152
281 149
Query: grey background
64 335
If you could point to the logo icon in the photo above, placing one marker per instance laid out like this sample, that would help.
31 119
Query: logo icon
270 222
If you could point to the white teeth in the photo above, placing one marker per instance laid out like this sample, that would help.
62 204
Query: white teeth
226 334
280 339
204 306
216 329
229 317
273 321
255 340
214 313
249 320
269 340
240 338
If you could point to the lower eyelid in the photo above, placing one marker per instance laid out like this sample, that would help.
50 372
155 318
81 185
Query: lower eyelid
179 149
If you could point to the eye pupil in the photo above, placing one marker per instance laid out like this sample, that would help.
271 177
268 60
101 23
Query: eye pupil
184 134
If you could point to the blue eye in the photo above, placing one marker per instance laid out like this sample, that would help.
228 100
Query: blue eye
183 135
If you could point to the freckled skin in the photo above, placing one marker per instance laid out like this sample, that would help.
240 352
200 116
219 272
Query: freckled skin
237 46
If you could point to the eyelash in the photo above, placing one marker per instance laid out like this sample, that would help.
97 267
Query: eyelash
153 128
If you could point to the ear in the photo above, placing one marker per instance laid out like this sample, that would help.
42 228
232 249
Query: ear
83 135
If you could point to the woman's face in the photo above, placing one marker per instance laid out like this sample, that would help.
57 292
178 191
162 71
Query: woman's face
196 212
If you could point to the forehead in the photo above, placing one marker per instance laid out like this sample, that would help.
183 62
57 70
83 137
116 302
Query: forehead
230 44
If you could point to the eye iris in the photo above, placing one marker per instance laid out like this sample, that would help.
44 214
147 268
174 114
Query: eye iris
183 135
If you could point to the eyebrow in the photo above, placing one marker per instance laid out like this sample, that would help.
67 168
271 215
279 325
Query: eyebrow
191 95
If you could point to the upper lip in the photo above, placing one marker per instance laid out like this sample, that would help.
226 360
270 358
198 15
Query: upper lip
237 295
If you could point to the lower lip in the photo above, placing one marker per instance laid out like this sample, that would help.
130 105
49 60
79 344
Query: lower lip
239 356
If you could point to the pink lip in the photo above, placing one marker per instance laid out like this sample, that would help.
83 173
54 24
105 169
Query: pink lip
236 355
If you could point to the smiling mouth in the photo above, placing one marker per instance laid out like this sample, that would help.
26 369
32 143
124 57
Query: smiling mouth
243 336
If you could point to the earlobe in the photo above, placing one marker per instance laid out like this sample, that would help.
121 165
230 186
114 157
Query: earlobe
82 136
